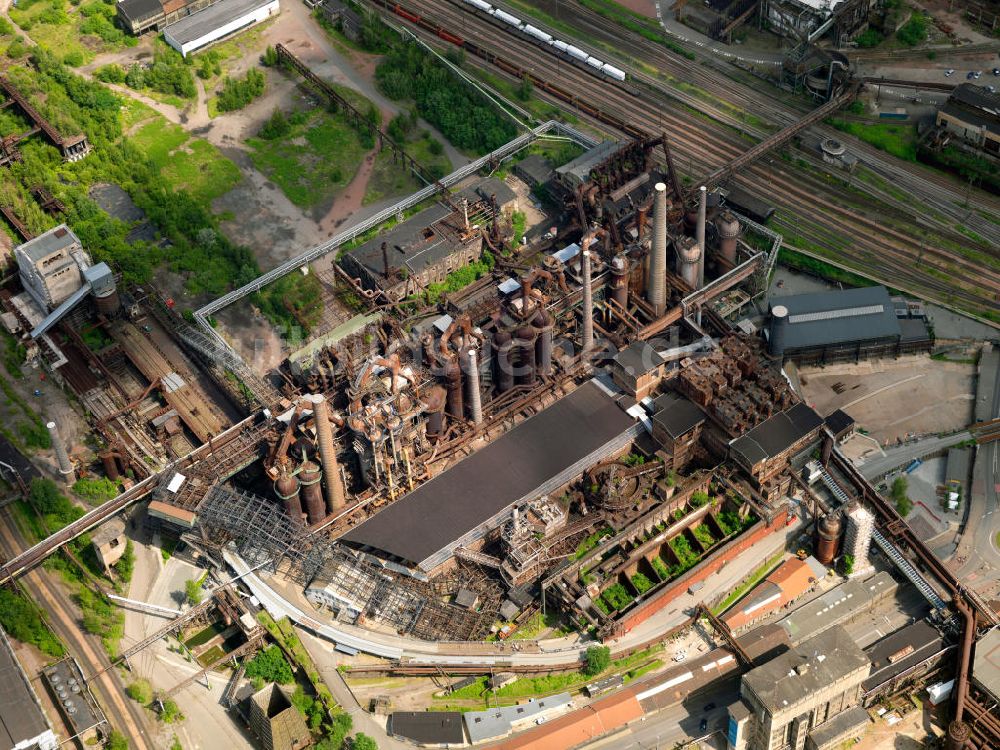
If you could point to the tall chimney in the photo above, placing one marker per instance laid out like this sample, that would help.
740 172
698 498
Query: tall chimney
700 236
465 212
475 398
656 289
588 305
65 467
328 454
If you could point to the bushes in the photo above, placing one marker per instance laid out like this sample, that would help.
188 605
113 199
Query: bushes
903 502
703 535
661 568
596 660
616 597
642 583
96 491
698 499
116 741
101 618
685 555
236 93
458 280
276 126
56 510
869 38
25 623
140 691
269 665
192 591
293 301
167 75
465 117
914 31
125 566
170 712
113 73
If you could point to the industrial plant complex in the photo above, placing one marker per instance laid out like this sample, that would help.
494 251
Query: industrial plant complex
569 457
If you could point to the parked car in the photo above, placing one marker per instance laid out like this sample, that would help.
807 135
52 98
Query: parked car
996 71
969 76
703 727
977 74
950 72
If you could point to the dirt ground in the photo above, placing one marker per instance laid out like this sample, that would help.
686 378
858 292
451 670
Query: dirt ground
893 399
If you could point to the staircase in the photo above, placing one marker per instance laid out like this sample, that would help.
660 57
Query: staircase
908 570
834 487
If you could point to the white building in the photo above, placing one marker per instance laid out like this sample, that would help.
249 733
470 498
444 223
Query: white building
858 537
217 21
51 266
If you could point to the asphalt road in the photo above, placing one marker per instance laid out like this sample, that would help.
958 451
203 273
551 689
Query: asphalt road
893 458
977 558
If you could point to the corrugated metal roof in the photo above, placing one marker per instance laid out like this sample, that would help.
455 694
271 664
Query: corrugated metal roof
837 317
193 27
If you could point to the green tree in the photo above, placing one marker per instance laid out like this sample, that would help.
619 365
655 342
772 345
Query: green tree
596 660
176 744
170 712
525 88
192 590
270 57
116 741
847 564
362 741
269 665
140 691
899 495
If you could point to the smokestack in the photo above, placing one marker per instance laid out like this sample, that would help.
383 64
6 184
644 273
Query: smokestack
587 342
688 257
656 289
65 467
475 398
385 259
453 382
700 236
779 324
465 213
328 454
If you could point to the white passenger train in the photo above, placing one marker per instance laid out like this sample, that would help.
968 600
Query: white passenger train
575 52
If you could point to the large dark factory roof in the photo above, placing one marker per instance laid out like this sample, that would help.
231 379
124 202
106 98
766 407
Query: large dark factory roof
677 414
21 717
974 105
512 468
140 10
805 669
986 666
838 317
776 434
900 651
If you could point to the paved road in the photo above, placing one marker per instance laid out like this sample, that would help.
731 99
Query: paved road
878 466
977 559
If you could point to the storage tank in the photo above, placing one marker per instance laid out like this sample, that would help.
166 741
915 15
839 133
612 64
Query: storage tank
453 381
776 332
503 370
286 487
310 476
729 230
828 531
525 345
434 402
688 258
619 280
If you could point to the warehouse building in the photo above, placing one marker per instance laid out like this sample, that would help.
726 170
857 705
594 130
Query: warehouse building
899 659
428 728
22 723
458 507
139 16
844 325
973 114
785 584
986 665
217 22
838 606
789 700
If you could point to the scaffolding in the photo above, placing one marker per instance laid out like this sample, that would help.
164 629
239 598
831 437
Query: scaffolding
264 536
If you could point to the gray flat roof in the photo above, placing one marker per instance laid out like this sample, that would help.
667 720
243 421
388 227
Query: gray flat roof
958 465
492 479
496 722
21 717
428 727
56 238
677 414
836 605
195 26
986 665
638 358
889 657
66 681
806 668
852 720
776 434
838 317
580 166
140 10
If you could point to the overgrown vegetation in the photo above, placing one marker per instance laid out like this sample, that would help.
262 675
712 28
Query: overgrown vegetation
295 301
125 566
192 591
914 31
642 583
75 31
22 619
464 117
635 22
269 665
96 491
236 93
460 278
168 74
900 140
596 660
140 691
819 268
616 597
900 497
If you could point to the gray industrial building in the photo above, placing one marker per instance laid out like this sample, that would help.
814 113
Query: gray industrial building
973 114
909 654
22 723
458 507
844 325
986 665
50 266
789 701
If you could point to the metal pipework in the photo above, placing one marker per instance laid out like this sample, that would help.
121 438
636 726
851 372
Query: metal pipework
587 339
619 280
700 234
65 467
328 454
475 398
656 283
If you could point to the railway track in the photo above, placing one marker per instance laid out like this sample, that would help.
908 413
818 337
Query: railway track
918 266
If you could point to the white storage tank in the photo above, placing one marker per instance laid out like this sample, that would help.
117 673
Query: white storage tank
559 44
611 70
537 33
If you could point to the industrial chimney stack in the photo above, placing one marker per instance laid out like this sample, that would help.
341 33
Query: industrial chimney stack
700 236
656 284
587 342
65 467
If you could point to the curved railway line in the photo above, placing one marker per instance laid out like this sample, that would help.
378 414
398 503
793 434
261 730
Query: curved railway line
702 145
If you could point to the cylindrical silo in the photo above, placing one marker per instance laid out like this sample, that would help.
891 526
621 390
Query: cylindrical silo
435 403
108 303
312 493
700 233
776 332
587 338
828 531
453 381
728 227
524 344
328 454
110 465
503 365
472 380
688 258
619 280
656 281
543 344
286 487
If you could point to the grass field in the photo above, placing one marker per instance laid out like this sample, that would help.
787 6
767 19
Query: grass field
893 138
76 32
188 163
390 179
316 159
